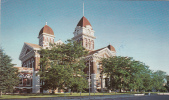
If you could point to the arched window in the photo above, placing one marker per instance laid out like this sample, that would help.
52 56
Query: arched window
28 80
92 44
21 79
24 65
89 43
32 62
86 42
27 64
50 40
44 39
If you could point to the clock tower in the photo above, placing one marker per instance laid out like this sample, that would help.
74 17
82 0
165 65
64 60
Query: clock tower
84 33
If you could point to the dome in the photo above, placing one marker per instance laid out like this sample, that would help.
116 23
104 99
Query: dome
83 22
46 29
111 48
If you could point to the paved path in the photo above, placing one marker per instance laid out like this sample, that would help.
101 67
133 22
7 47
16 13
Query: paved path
106 97
155 97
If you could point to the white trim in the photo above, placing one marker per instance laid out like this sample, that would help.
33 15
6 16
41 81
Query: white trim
46 35
23 52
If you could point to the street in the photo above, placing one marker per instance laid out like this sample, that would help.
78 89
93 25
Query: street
155 97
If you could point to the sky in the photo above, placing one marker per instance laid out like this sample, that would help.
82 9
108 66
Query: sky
138 29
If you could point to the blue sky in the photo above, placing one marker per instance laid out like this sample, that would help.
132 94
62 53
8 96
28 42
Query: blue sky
138 29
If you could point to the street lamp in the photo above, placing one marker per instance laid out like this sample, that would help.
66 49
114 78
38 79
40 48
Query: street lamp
101 77
101 82
89 77
90 60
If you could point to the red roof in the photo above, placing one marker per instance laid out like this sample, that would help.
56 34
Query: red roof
111 48
46 29
83 22
33 45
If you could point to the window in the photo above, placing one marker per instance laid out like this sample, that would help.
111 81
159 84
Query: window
98 69
89 43
24 65
21 80
27 64
86 43
92 44
32 62
28 82
106 82
28 79
30 65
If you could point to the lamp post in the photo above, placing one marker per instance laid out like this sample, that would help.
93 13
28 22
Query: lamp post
89 79
101 77
89 74
101 82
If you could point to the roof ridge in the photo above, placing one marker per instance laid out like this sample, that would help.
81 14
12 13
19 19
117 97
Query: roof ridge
33 45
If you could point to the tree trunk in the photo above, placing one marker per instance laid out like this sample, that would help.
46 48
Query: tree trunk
71 93
53 92
1 93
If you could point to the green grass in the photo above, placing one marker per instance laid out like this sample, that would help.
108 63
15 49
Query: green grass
18 96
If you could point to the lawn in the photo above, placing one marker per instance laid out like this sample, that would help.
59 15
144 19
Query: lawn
17 96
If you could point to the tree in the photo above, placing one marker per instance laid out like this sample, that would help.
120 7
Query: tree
8 76
62 66
140 78
158 79
126 73
117 69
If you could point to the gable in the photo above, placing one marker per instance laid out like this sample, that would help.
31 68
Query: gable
104 53
25 50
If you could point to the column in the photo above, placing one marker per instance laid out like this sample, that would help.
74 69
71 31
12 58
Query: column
36 78
93 77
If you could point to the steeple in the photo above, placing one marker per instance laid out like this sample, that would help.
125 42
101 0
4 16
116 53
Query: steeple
83 8
84 33
46 36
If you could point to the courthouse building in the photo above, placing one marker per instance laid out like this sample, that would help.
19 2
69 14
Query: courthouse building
30 58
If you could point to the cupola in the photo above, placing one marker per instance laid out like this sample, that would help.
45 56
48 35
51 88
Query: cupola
46 36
